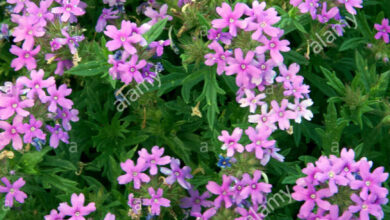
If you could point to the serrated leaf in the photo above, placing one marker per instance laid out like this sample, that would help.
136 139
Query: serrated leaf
155 31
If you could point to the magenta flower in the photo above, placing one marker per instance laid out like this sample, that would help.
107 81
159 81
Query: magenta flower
383 30
252 100
154 159
67 115
249 214
311 198
13 191
330 173
224 192
288 75
230 18
275 46
12 132
25 57
134 173
230 142
109 216
71 41
206 214
36 84
57 97
218 35
67 9
19 5
325 15
32 129
54 215
156 16
296 88
41 12
156 201
351 4
239 186
281 115
242 66
131 69
195 201
366 207
159 45
310 6
122 38
57 134
9 105
77 211
220 57
256 189
107 14
177 174
267 74
265 119
134 203
259 138
27 29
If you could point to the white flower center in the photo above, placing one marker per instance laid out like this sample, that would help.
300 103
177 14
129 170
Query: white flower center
368 183
263 67
32 128
177 173
272 45
14 105
27 55
258 142
55 97
331 174
77 214
123 39
243 66
231 20
313 196
13 131
135 173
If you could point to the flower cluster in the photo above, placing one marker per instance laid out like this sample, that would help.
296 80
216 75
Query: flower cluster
33 22
153 162
31 104
13 191
323 12
341 188
383 30
131 49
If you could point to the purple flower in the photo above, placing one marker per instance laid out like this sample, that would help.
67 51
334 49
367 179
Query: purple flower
259 138
256 189
68 8
13 191
154 159
267 74
206 214
230 18
122 38
351 4
311 198
252 100
4 31
224 192
9 105
27 29
77 211
54 215
57 97
288 75
107 14
131 69
195 201
148 74
25 57
238 188
134 173
156 16
366 207
220 57
57 134
41 12
325 15
331 173
159 45
309 6
32 129
281 115
177 174
109 216
134 203
19 4
12 132
156 200
36 84
71 41
218 35
296 88
242 66
300 109
62 65
265 119
275 45
383 30
67 115
230 142
249 214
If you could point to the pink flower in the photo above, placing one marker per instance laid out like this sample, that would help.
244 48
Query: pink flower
107 14
13 191
32 129
310 6
230 18
252 100
41 12
71 41
154 159
77 211
9 105
196 201
28 28
296 88
383 30
300 109
134 173
206 214
131 69
218 35
36 84
109 216
67 9
67 115
231 141
156 201
288 75
57 134
54 215
156 16
259 140
256 189
242 66
122 38
325 15
224 192
177 174
351 4
265 119
311 197
134 203
275 46
220 57
57 97
281 115
19 4
366 207
12 132
159 45
25 57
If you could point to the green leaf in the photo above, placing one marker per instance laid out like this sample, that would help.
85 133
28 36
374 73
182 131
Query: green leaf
189 82
90 68
352 43
155 31
334 81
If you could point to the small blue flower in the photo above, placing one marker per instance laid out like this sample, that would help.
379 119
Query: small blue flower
159 67
118 55
224 162
38 143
